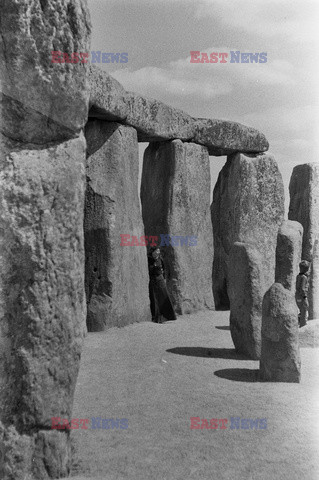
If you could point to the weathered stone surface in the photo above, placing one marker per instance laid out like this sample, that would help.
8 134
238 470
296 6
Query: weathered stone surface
280 355
224 138
304 208
175 195
248 206
314 284
246 289
42 301
288 254
42 101
107 96
304 204
41 455
156 121
116 276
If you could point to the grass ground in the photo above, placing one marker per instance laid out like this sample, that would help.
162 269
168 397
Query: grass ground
158 376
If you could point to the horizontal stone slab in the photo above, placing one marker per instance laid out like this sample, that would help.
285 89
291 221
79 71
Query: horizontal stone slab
107 96
155 121
223 137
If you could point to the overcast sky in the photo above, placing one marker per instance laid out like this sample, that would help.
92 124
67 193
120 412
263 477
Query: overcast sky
280 97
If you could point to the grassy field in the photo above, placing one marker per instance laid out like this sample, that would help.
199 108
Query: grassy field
159 376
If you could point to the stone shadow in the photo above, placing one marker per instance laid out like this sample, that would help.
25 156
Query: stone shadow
238 374
223 327
227 353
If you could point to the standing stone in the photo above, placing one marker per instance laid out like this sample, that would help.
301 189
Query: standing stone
304 208
43 101
175 195
246 289
42 301
314 284
280 355
288 254
248 206
116 276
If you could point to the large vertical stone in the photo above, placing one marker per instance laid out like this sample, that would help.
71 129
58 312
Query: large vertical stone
288 254
116 276
314 284
175 195
43 101
248 206
304 208
280 355
42 300
246 289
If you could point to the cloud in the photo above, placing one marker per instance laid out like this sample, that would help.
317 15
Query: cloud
180 78
293 20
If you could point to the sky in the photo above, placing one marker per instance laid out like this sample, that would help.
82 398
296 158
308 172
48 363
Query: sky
280 97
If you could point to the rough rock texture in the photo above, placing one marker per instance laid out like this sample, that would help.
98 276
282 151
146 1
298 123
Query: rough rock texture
246 289
107 96
116 276
42 101
280 355
46 454
224 138
304 208
175 195
156 121
42 301
288 254
248 206
314 284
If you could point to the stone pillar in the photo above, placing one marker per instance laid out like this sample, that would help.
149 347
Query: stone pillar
246 289
280 354
314 284
175 195
304 208
248 206
43 107
42 302
116 277
288 254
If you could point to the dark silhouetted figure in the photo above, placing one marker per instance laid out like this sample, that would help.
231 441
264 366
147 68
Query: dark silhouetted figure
302 292
160 301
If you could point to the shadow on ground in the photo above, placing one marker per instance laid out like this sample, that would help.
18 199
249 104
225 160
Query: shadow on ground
228 353
238 374
223 327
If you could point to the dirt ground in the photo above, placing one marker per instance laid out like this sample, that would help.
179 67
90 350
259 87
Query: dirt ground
159 376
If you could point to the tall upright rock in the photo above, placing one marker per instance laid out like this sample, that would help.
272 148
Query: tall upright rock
304 208
116 276
248 206
246 288
288 254
42 301
175 195
280 353
43 107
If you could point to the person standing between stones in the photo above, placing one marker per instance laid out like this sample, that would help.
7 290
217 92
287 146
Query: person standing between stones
159 297
302 292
